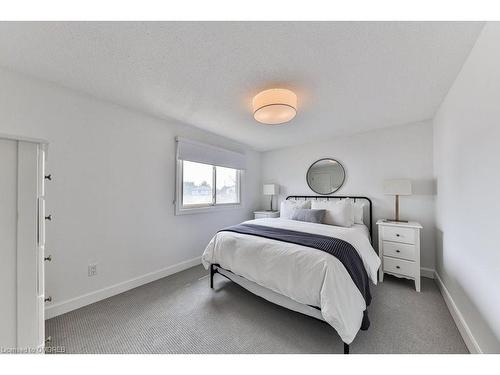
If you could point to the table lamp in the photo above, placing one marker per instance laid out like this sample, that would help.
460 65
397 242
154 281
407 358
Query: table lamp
271 189
397 187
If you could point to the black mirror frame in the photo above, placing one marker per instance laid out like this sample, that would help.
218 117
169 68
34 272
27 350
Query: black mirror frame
333 191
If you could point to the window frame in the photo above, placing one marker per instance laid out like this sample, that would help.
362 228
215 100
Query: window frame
181 209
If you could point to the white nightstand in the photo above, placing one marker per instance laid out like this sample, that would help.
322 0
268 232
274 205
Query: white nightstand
399 250
265 214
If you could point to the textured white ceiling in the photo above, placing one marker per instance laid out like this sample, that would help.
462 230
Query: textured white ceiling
349 76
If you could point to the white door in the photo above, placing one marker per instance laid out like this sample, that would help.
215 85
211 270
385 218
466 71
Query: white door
21 245
29 262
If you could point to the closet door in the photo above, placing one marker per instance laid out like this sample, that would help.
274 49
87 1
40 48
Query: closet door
8 245
22 237
28 256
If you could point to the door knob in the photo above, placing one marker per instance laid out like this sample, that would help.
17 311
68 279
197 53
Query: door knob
48 299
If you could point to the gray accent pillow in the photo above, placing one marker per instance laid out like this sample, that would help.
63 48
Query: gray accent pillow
311 216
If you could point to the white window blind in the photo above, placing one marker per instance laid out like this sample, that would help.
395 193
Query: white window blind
198 152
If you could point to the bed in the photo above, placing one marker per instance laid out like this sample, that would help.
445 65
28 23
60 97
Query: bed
296 276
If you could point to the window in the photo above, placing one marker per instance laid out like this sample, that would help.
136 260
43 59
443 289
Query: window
197 184
205 185
227 186
208 178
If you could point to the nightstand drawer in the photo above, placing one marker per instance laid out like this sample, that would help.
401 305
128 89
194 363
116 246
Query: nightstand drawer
399 250
398 234
399 266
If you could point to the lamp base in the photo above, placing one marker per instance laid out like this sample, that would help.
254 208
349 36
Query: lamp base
396 209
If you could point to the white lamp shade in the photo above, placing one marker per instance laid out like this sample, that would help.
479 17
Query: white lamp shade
274 106
271 189
398 186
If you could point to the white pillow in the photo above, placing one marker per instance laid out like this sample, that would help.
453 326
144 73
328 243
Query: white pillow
359 212
338 212
288 207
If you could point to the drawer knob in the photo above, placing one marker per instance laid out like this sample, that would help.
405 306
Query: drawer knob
397 234
398 267
397 251
48 299
48 177
48 259
49 218
48 340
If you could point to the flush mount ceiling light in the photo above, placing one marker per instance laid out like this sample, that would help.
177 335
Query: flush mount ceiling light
274 106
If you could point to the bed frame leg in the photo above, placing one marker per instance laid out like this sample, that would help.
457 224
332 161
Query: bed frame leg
212 272
346 348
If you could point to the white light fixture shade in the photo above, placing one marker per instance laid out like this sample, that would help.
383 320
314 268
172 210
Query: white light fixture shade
397 187
271 189
274 106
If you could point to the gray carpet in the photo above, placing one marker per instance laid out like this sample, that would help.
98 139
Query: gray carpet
181 314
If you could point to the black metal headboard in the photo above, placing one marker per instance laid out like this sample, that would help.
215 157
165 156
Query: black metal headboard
328 197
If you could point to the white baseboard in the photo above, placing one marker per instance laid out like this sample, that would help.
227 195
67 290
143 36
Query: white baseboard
463 328
86 299
427 272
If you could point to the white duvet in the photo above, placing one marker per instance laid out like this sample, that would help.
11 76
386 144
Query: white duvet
306 275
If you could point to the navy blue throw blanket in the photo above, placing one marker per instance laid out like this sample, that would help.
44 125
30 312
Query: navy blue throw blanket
336 247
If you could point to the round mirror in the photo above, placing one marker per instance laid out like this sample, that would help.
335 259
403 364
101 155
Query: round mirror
325 176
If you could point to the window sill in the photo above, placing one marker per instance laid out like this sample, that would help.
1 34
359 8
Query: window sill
205 210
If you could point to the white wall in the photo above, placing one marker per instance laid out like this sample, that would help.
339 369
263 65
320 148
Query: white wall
113 187
369 158
467 165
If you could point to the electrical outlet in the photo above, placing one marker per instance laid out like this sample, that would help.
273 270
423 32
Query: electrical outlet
92 270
